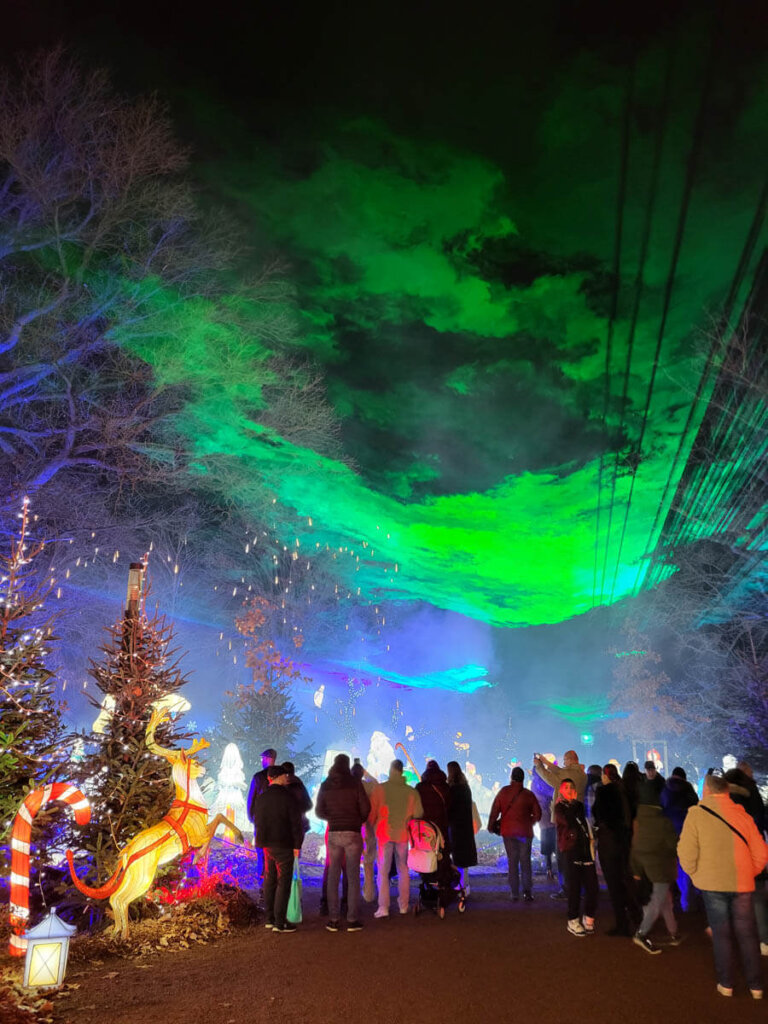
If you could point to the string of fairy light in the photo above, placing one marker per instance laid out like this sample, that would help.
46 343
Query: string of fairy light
349 559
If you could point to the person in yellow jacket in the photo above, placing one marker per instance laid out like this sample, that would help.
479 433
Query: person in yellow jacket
722 850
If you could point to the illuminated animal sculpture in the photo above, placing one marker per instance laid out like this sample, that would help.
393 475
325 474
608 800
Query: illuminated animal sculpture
184 827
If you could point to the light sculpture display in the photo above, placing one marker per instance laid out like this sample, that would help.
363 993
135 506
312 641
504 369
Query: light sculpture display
184 827
47 952
21 836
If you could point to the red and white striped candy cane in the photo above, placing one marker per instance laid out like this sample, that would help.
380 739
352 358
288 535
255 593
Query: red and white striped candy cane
20 841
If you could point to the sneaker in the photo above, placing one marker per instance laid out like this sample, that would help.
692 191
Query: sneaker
333 926
575 927
674 940
645 943
381 913
287 927
527 897
764 948
756 993
269 925
562 895
724 991
404 910
354 926
589 925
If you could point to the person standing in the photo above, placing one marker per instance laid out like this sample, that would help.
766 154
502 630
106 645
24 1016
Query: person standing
613 830
553 776
574 842
369 834
676 798
514 812
594 781
743 790
344 804
722 850
461 825
259 785
547 830
434 793
654 857
393 804
277 819
650 785
298 791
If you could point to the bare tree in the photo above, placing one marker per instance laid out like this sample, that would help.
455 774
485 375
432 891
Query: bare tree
98 235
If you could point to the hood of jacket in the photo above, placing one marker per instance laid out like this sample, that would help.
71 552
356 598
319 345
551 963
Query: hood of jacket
433 775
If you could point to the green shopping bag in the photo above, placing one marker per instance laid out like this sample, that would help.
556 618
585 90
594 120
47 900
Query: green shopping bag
293 914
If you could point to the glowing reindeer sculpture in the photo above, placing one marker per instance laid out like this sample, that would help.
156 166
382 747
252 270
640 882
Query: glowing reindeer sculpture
184 827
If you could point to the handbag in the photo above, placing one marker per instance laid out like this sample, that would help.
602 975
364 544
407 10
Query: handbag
293 913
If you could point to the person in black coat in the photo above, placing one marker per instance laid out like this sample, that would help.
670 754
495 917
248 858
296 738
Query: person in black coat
278 823
612 821
344 804
461 826
434 793
259 785
298 791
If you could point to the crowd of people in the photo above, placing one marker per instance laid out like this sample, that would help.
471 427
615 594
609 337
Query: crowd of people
655 843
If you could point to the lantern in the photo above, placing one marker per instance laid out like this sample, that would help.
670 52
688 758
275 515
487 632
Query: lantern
47 952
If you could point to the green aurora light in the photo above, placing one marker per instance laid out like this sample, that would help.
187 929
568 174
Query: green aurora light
519 395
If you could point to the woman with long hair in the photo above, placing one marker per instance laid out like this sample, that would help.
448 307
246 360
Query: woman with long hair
461 828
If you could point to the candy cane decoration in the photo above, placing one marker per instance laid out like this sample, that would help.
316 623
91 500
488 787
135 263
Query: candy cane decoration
20 843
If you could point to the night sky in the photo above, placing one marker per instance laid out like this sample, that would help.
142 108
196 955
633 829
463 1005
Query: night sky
508 233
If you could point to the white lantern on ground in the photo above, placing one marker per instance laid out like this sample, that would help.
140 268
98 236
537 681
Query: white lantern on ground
47 952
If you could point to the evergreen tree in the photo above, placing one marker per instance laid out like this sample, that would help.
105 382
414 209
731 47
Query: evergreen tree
261 714
128 786
33 747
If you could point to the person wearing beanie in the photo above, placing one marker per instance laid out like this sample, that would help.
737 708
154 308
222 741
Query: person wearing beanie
650 785
514 812
393 804
344 804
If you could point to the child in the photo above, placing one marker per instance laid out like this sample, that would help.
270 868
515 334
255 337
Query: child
574 841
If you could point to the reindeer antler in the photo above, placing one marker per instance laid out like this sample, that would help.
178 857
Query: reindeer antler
158 716
197 745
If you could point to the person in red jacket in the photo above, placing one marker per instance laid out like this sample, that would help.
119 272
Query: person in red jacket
514 812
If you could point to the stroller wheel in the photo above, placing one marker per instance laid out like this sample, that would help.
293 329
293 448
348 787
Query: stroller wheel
441 912
462 906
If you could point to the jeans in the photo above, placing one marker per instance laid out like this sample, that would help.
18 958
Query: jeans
344 846
369 859
726 910
660 904
578 877
518 863
761 909
277 883
400 853
614 857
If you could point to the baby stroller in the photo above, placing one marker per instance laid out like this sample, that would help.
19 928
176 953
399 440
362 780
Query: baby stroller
440 881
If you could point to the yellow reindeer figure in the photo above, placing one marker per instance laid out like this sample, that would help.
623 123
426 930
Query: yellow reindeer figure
184 827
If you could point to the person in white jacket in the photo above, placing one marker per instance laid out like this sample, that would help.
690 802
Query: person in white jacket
393 804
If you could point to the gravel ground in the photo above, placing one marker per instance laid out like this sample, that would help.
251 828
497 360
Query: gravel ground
507 961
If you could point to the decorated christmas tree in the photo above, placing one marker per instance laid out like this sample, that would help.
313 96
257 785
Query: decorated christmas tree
261 714
128 786
33 746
